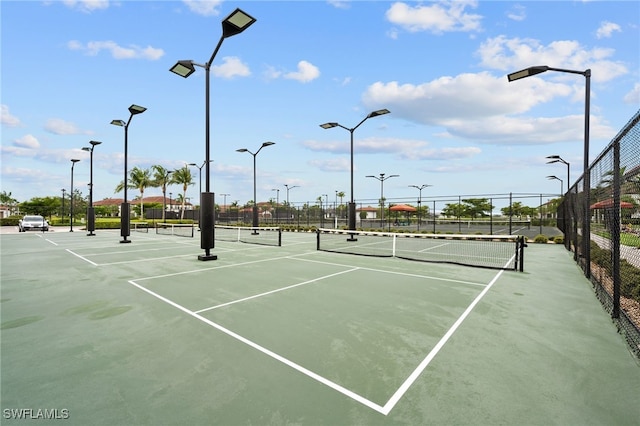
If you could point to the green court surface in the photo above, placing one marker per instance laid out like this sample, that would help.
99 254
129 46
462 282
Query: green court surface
98 332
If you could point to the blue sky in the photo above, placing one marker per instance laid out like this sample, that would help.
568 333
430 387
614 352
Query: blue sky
456 123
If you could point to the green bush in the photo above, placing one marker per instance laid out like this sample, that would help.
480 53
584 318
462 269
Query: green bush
558 239
9 221
541 239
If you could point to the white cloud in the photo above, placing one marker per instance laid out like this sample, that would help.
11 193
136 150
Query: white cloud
437 18
306 72
340 4
505 54
204 7
633 97
517 13
27 141
447 153
341 164
92 48
231 67
87 6
606 29
58 126
7 119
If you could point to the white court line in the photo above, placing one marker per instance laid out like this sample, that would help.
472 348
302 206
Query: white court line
425 362
81 257
194 271
275 291
406 274
52 242
269 353
431 248
397 395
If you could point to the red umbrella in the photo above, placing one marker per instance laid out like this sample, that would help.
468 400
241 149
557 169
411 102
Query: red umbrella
402 208
608 203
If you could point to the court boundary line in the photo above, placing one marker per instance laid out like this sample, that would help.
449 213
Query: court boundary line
394 272
395 397
255 296
286 361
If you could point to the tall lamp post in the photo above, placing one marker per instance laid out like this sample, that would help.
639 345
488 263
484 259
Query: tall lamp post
277 202
382 178
558 159
63 197
235 23
561 184
255 200
352 204
125 228
91 214
73 163
586 228
420 188
289 205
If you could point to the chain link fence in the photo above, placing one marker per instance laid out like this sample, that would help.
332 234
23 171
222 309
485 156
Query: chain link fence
610 254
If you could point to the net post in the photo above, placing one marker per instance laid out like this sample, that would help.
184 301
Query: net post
393 250
317 239
521 247
279 237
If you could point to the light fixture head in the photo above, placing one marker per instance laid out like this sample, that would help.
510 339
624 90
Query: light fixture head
183 68
268 144
86 148
74 160
378 112
120 123
94 143
328 125
528 72
242 150
136 109
236 22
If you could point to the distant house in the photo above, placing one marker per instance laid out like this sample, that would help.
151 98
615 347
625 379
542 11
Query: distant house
370 212
5 211
111 205
172 204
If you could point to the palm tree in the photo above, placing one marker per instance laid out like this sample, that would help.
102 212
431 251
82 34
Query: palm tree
138 179
161 178
182 177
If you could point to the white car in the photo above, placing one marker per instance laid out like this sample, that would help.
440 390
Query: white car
36 222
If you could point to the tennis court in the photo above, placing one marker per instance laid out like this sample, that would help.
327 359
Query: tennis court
97 332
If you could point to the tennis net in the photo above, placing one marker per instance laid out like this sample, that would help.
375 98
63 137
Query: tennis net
140 226
484 251
177 229
270 236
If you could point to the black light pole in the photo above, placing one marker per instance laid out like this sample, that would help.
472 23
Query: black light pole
586 229
255 200
73 163
558 159
289 205
277 202
420 188
63 197
382 178
561 183
352 204
125 229
91 214
200 186
235 23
